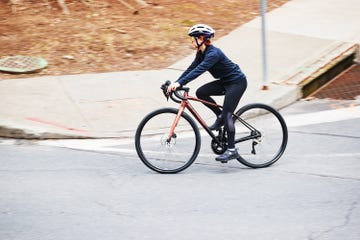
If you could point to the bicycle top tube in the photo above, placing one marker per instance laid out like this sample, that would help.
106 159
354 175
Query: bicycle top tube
179 97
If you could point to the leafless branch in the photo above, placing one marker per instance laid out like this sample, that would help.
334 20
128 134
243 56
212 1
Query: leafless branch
89 3
13 5
135 11
63 6
141 2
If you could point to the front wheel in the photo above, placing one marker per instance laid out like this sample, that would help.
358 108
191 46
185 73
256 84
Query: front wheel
160 153
261 135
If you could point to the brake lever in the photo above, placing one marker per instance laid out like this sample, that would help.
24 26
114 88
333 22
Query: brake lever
164 88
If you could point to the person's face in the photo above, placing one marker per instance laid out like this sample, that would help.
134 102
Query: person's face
199 40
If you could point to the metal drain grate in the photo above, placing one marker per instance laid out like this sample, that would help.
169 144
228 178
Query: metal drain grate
22 64
346 86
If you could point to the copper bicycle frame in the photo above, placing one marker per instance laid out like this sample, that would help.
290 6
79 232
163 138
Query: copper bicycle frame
186 104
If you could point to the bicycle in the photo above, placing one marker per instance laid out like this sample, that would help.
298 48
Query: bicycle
168 140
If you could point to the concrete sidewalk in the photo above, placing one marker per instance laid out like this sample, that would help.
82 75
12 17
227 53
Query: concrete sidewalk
305 38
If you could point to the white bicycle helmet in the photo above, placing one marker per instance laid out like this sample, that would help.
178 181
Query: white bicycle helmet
201 30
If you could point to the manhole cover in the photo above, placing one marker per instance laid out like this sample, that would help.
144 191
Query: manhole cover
22 64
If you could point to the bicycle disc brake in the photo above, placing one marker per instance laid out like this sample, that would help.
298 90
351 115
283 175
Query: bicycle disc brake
169 142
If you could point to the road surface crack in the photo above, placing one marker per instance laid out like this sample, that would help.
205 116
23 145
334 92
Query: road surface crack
346 221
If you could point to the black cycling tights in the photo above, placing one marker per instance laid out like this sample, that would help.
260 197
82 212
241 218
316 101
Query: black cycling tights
233 93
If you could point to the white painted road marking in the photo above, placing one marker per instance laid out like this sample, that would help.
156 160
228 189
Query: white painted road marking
326 116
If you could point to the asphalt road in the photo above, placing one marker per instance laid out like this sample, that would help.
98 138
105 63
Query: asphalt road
99 189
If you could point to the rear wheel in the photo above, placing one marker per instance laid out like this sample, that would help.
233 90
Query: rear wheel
165 155
261 135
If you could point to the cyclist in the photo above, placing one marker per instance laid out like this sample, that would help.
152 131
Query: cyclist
231 82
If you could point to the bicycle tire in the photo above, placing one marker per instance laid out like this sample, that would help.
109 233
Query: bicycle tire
267 149
162 156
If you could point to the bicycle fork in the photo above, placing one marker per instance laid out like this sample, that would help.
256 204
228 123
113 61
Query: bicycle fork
175 123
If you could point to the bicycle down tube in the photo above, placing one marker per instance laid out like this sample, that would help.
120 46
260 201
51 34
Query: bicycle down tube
186 104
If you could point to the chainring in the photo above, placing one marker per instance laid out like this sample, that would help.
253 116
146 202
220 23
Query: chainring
219 148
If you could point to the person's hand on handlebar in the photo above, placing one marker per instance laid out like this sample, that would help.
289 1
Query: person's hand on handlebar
173 86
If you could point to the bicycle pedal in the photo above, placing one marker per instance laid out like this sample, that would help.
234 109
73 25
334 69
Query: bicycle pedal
224 161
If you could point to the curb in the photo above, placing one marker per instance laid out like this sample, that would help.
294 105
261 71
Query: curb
17 133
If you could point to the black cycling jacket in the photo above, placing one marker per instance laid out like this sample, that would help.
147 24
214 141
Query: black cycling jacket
214 61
